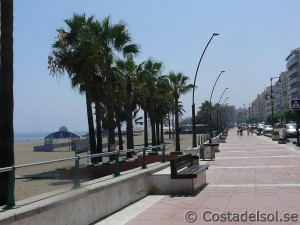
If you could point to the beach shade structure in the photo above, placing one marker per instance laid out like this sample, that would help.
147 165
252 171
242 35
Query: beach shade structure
63 133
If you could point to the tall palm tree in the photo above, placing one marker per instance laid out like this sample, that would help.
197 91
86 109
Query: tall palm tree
128 69
110 40
6 95
71 54
147 77
178 83
163 105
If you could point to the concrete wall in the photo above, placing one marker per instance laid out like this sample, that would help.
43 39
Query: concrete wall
91 202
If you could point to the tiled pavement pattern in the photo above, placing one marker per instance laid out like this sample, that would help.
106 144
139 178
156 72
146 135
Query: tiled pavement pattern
250 173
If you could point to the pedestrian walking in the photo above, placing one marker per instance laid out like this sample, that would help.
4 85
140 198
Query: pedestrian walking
248 130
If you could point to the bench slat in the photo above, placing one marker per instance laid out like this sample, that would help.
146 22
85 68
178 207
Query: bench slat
188 169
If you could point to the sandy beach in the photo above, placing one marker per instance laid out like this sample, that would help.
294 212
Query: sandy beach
32 181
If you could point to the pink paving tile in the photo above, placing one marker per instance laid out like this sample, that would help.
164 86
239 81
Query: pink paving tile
251 184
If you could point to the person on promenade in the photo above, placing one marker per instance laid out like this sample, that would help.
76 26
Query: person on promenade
248 130
241 131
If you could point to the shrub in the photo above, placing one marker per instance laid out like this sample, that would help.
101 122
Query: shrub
275 132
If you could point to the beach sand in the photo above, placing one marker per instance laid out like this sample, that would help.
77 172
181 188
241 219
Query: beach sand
32 181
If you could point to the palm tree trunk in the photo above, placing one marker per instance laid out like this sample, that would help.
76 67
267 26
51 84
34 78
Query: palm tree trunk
151 114
129 128
110 116
169 117
6 96
99 130
90 123
162 132
120 136
173 123
145 129
177 147
157 133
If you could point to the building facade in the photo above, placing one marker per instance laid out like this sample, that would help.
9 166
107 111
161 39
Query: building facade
277 97
293 78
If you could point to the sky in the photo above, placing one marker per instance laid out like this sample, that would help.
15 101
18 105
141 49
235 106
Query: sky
255 38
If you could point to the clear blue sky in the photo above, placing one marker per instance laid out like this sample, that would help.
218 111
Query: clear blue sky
255 38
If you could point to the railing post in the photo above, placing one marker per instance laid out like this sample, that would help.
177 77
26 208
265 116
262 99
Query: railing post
76 173
144 166
163 158
117 165
11 189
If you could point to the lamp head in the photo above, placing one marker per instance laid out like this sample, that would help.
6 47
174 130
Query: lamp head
215 34
222 71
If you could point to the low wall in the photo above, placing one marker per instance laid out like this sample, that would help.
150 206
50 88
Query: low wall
91 202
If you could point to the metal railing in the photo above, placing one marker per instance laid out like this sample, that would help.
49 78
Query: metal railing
202 138
76 179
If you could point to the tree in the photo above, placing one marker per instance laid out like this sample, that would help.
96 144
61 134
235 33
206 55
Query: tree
128 69
178 83
6 95
111 39
288 114
274 119
164 104
147 75
71 53
203 114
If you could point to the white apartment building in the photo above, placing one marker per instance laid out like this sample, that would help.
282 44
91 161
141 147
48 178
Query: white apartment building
283 90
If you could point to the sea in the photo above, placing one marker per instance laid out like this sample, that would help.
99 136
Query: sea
39 136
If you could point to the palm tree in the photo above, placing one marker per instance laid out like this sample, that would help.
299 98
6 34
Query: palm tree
6 95
71 53
203 114
110 40
128 69
147 76
163 105
178 83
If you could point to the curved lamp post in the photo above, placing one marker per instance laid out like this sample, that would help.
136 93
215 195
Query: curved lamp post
222 109
218 108
210 106
193 105
272 99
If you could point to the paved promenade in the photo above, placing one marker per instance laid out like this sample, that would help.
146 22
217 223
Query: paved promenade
252 177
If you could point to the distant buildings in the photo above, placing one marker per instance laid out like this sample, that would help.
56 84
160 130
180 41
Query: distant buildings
283 90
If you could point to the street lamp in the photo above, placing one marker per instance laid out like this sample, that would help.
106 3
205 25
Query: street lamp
221 110
210 106
193 105
218 108
272 99
249 113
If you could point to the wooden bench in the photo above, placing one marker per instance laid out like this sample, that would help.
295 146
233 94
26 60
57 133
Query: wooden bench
184 177
184 167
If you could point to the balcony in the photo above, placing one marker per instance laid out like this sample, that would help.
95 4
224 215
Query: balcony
294 90
291 72
292 81
291 62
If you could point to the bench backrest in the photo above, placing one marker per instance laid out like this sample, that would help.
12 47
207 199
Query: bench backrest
181 162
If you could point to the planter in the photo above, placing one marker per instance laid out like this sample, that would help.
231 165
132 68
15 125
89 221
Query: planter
281 141
258 134
208 152
222 140
275 137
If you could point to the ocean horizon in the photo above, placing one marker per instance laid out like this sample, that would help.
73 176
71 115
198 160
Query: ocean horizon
36 136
